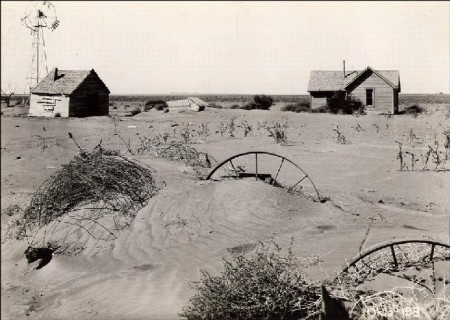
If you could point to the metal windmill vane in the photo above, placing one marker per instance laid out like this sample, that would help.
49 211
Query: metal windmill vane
39 16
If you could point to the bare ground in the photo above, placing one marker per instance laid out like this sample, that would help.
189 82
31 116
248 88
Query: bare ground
191 224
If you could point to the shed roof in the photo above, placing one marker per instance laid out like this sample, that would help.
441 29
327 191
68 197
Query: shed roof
178 103
334 80
65 81
198 101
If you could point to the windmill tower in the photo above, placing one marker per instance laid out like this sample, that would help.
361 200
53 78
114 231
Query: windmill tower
39 16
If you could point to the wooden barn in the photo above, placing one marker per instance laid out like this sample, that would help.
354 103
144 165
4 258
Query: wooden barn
376 89
70 93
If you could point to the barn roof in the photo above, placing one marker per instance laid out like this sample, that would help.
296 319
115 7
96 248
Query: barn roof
334 80
65 81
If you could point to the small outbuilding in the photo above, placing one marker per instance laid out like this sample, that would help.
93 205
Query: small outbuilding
70 93
376 89
191 103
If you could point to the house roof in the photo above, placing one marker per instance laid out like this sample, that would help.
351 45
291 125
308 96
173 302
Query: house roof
334 80
65 82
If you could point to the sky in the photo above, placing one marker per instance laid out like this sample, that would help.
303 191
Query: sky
233 47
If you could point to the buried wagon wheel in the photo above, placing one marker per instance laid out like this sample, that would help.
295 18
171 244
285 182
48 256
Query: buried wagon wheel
404 259
268 167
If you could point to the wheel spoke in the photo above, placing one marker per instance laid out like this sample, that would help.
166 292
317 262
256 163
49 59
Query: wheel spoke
394 257
234 169
256 170
432 252
281 164
297 183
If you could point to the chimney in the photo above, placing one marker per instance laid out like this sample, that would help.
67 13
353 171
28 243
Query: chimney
343 76
55 74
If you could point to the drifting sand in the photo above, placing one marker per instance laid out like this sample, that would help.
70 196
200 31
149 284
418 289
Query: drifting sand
191 224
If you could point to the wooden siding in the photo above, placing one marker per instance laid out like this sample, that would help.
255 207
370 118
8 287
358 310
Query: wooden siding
395 105
81 104
48 105
319 99
383 93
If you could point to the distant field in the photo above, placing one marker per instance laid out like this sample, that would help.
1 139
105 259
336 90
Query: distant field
405 99
424 98
206 98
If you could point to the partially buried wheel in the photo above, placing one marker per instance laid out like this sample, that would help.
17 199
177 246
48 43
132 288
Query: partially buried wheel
268 167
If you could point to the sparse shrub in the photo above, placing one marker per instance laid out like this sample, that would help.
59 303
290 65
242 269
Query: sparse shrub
358 127
160 107
249 106
157 104
235 106
262 285
414 110
203 131
12 210
186 133
135 111
298 107
261 102
57 115
345 104
340 136
377 127
412 135
247 127
127 106
447 139
222 128
413 159
232 127
276 130
214 105
321 109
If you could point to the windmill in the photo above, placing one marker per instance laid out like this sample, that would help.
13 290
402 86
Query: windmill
39 16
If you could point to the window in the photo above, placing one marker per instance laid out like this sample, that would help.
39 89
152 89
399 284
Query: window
369 97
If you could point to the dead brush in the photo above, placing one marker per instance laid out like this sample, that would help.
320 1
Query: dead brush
246 126
231 127
177 151
102 179
186 133
264 284
203 131
421 300
395 305
358 127
278 131
222 128
437 156
341 139
377 127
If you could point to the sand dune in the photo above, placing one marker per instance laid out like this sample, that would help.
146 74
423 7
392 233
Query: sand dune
191 224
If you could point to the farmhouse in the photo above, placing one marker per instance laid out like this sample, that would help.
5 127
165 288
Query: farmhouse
70 93
191 103
376 89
